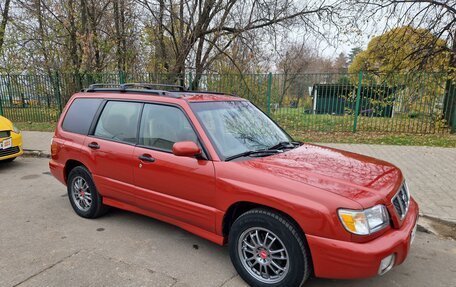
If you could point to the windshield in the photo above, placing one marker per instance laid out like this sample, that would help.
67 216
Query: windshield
235 127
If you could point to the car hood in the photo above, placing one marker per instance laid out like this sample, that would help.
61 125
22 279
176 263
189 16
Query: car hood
5 124
363 179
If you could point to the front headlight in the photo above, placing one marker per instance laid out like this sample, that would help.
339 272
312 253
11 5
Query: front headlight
16 130
364 222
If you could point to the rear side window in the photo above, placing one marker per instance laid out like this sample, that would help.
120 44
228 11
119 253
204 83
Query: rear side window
119 121
80 115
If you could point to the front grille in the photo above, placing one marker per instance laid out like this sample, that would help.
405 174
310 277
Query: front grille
401 201
9 151
5 134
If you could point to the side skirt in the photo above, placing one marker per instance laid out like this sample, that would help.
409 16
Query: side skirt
220 240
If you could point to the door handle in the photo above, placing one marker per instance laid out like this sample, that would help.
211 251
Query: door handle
93 145
146 157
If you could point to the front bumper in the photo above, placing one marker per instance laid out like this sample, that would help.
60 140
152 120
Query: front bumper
349 260
16 148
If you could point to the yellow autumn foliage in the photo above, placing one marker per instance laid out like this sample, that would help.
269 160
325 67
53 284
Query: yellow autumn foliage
403 49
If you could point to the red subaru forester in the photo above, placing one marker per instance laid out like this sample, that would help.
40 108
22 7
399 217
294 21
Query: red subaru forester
216 166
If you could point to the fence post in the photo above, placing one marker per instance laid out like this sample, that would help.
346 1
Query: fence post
121 77
57 94
358 99
268 94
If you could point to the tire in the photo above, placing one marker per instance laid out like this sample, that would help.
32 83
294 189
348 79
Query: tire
8 159
83 195
296 268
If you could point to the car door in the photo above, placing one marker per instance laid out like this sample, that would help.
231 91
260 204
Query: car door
180 188
110 149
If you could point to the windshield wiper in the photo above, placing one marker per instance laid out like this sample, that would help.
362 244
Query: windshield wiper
252 152
284 144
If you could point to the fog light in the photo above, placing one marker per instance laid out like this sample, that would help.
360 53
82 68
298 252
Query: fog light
386 264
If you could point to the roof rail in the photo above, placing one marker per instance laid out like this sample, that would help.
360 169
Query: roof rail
148 88
136 88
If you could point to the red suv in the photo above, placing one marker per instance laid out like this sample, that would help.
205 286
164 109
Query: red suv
216 166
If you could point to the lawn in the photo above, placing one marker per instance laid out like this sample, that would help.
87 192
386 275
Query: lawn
438 140
296 120
32 114
36 126
441 140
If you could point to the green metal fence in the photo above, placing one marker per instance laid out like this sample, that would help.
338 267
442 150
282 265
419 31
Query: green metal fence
398 103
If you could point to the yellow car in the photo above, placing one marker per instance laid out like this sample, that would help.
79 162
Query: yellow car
10 140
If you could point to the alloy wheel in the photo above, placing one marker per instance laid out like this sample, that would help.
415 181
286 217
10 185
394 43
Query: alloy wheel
263 255
82 196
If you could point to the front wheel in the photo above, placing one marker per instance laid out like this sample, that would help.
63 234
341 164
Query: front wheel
268 251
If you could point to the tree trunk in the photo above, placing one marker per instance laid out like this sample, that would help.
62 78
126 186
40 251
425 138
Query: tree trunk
73 45
5 16
95 43
162 63
44 50
123 36
121 44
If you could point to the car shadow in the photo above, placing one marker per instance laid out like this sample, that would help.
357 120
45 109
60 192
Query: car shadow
151 226
8 166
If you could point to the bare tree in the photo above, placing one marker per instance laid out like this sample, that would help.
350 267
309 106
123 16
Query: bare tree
293 63
201 31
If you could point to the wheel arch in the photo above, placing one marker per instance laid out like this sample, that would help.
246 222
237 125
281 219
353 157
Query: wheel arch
69 166
238 208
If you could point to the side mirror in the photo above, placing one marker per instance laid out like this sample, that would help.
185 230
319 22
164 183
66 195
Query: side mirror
186 148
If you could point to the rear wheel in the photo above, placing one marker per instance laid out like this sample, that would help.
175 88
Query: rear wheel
267 250
83 195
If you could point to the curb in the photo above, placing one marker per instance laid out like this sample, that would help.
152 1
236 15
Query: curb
437 226
36 153
446 221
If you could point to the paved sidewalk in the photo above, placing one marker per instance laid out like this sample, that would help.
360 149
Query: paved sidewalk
430 171
37 141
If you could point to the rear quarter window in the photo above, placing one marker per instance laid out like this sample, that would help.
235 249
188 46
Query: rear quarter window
80 115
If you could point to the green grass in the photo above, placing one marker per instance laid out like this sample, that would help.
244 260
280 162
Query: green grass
437 140
36 126
297 120
31 114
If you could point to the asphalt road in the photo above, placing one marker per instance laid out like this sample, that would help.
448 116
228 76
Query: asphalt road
44 243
